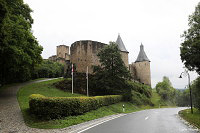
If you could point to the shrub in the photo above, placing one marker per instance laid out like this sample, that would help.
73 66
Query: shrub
58 107
196 93
48 69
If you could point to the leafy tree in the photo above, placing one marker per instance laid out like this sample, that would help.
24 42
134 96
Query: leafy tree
190 48
110 77
19 49
196 92
49 69
165 90
183 97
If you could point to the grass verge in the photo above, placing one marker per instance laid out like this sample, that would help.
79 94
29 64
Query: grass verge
14 84
194 118
46 89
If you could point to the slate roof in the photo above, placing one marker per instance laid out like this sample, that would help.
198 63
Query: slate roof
120 44
142 55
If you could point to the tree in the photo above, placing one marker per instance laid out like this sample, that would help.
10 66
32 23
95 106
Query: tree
165 90
183 97
111 75
49 69
196 92
190 48
19 49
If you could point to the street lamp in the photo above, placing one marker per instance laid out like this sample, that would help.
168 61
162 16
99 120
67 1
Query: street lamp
186 73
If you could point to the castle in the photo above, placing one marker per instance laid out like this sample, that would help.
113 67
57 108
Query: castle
84 53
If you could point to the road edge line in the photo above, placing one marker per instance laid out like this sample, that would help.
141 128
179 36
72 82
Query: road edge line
109 119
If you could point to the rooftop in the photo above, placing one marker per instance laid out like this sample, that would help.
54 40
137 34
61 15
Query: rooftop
142 55
120 44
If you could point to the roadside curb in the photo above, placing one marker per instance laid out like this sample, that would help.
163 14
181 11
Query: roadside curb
188 123
79 128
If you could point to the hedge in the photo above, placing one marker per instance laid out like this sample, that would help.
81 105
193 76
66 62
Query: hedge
58 107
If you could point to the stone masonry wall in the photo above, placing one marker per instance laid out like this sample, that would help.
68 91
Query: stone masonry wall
84 53
124 56
143 73
63 52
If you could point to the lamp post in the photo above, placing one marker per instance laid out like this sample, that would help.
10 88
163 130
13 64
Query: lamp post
186 73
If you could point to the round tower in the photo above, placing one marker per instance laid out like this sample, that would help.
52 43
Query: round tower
142 67
84 53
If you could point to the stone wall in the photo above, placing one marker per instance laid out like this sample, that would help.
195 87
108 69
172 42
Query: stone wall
84 53
143 73
53 58
124 56
132 71
63 52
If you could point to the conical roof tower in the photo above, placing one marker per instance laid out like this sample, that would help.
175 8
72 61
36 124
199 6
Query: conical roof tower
142 55
120 44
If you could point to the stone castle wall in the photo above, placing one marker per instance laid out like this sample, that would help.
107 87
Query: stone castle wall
143 73
53 58
132 70
84 53
63 52
124 56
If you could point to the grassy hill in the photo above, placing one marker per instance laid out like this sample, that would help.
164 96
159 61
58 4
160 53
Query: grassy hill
155 99
47 89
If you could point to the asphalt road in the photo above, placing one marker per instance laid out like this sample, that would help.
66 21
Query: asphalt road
163 120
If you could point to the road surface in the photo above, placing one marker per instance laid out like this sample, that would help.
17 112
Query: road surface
163 120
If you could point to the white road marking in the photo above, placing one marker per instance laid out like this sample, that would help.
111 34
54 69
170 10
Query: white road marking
146 118
100 123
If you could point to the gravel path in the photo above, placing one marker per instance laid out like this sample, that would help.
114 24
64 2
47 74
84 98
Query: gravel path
11 119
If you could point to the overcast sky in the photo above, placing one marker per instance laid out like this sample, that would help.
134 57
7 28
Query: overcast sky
158 24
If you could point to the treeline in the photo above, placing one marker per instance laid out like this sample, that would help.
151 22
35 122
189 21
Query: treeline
171 96
48 69
183 97
20 52
166 92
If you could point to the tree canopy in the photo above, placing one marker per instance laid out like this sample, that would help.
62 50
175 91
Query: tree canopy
196 92
190 48
165 90
111 75
19 49
48 69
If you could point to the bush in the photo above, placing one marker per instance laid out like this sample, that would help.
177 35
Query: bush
48 69
196 93
58 107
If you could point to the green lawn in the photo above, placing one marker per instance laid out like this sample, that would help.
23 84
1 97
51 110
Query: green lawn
155 99
46 89
191 118
13 84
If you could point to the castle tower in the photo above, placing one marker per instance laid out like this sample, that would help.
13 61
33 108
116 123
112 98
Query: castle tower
63 52
142 67
123 51
84 53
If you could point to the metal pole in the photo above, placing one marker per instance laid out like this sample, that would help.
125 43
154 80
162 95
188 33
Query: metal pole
72 80
190 92
87 82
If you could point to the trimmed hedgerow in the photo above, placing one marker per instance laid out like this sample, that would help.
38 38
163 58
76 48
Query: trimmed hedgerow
58 107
